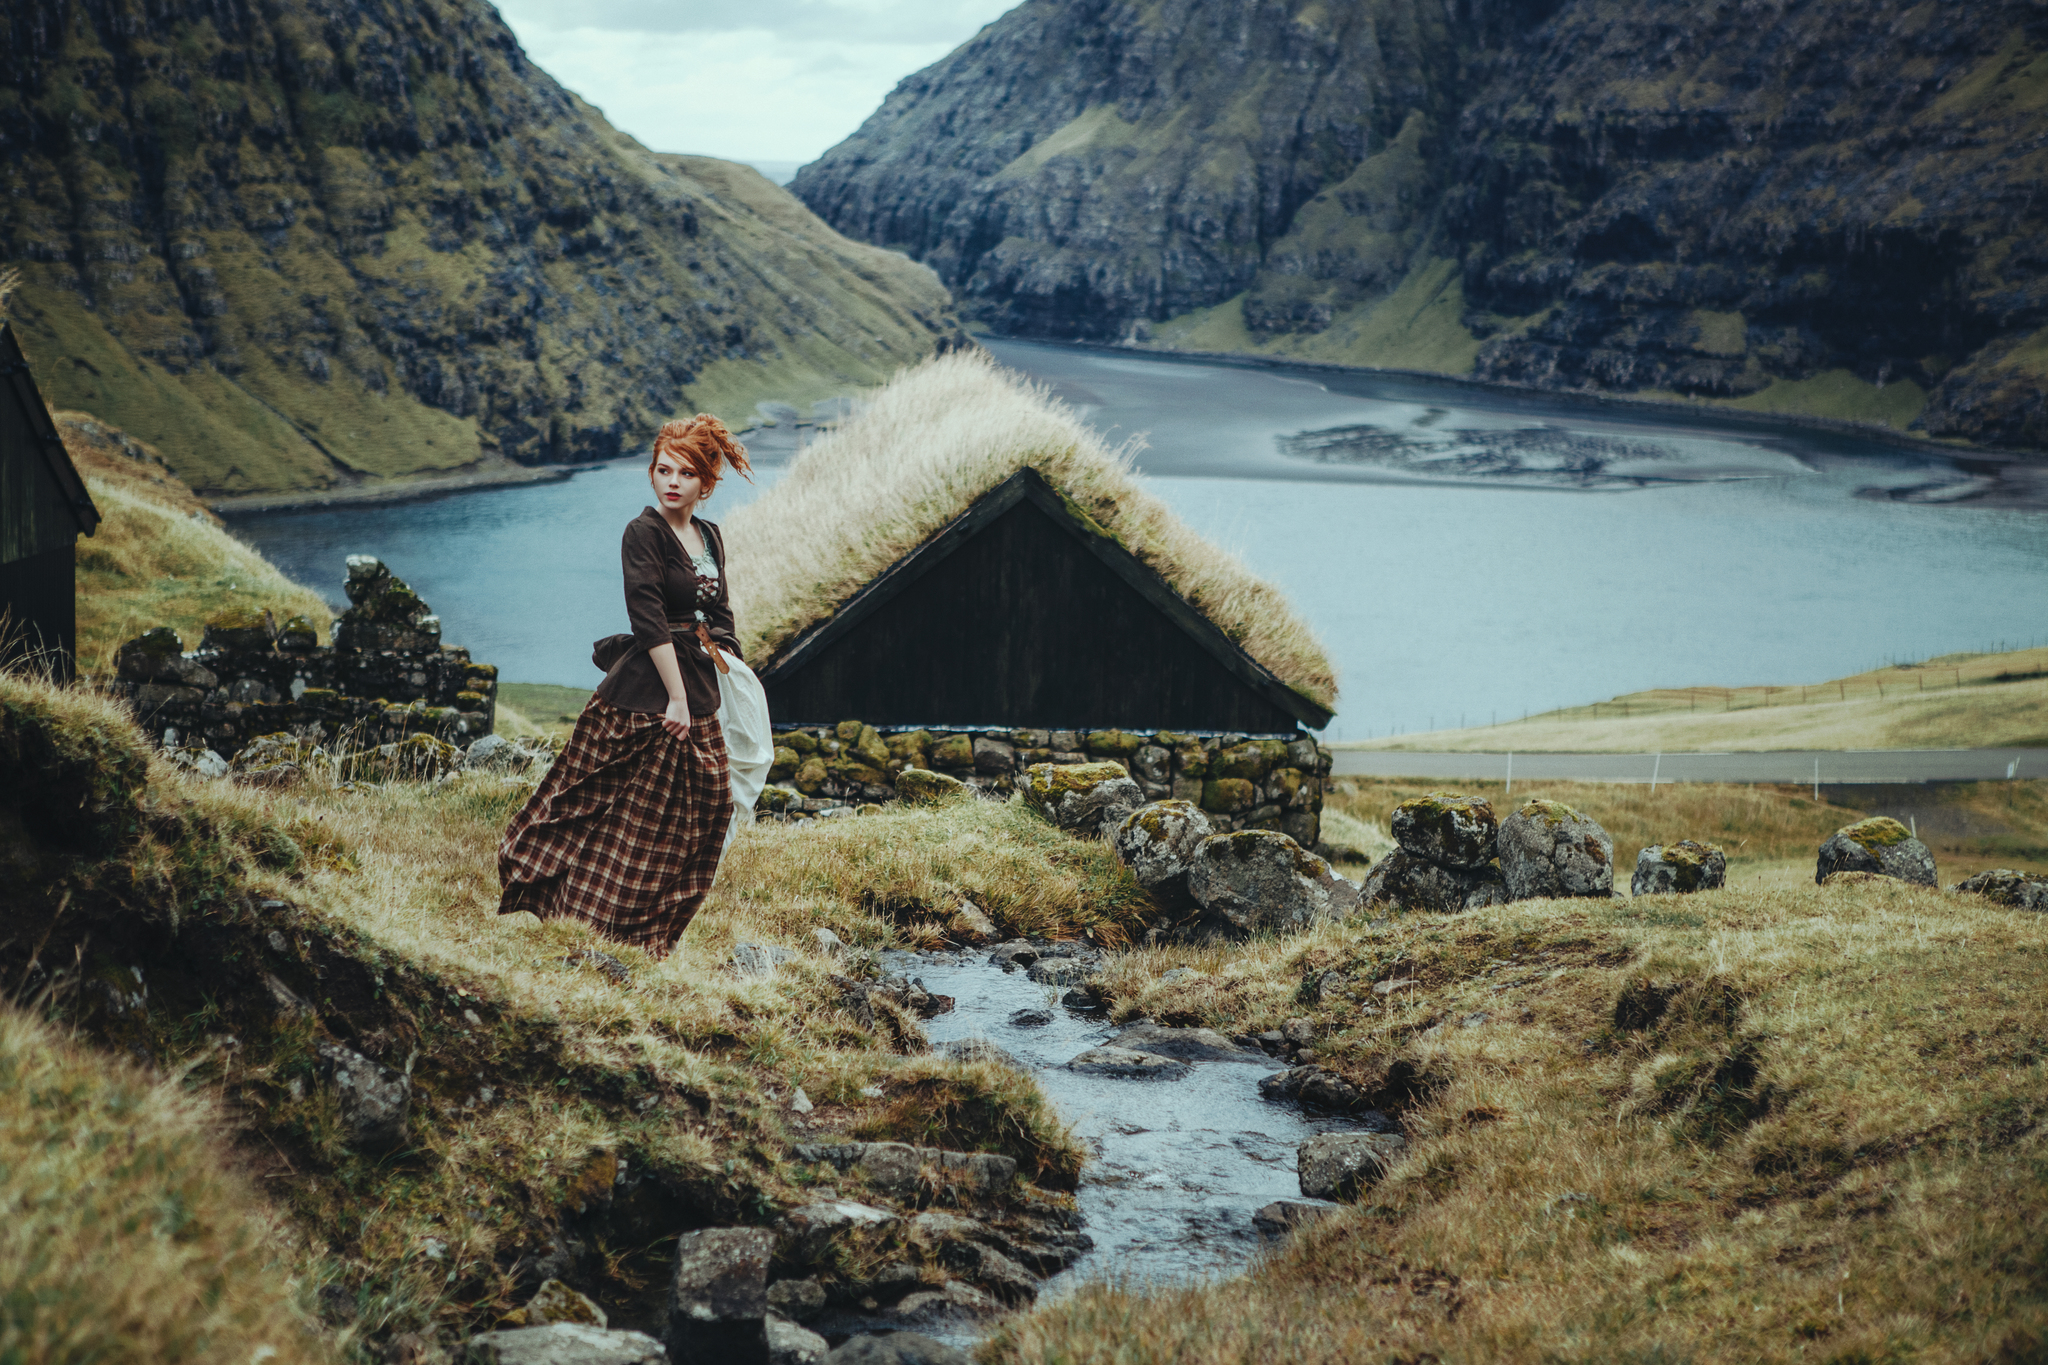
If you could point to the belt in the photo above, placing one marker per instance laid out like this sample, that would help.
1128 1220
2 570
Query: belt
703 634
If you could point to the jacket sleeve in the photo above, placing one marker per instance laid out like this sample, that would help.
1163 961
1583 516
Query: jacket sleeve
719 614
640 557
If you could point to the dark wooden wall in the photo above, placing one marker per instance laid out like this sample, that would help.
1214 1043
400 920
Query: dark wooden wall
1021 626
40 598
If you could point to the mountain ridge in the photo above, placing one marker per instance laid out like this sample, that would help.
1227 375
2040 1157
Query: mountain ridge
300 245
1789 206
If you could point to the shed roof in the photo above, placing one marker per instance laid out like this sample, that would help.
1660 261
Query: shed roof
20 387
927 447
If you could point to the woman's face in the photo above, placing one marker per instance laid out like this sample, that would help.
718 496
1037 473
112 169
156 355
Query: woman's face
677 489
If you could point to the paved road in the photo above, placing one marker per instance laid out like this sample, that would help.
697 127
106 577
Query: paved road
1828 767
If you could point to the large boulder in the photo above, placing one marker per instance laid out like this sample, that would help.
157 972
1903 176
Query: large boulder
1447 830
1340 1165
718 1297
1260 879
1082 798
1124 1064
1157 842
2016 890
1405 881
1881 846
1678 869
1547 849
1182 1044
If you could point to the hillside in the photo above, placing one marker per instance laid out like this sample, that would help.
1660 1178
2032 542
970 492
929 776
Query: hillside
1799 209
1957 701
302 247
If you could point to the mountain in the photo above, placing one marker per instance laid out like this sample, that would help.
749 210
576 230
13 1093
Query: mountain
1783 204
299 245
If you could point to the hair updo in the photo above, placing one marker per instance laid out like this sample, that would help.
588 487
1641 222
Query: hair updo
699 444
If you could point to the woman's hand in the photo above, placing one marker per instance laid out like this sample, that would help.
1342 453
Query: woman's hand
676 720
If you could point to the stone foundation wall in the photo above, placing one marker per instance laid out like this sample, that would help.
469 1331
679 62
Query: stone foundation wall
1240 781
386 676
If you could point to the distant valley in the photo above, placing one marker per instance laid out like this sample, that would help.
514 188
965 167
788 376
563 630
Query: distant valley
1806 207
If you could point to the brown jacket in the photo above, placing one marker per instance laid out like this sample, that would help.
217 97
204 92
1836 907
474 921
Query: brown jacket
664 601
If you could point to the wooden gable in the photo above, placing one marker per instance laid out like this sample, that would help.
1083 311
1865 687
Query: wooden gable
1023 612
43 502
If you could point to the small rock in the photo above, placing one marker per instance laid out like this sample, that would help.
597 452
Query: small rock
970 925
1314 1087
1283 1216
603 963
951 1302
1088 799
978 1050
1157 842
1678 869
1880 845
896 1348
1127 1065
1031 1018
1399 983
922 785
718 1297
1549 850
810 1230
1298 1031
1182 1044
800 1102
1057 972
564 1343
797 1300
374 1098
495 753
1181 974
557 1302
1339 1165
789 1344
828 943
759 959
1450 831
2014 890
1262 880
1012 955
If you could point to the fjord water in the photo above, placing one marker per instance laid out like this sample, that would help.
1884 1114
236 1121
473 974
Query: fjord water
1463 553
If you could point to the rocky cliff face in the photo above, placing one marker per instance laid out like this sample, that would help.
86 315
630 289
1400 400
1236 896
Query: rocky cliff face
1798 205
297 243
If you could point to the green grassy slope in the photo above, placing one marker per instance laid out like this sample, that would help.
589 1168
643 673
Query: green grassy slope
297 250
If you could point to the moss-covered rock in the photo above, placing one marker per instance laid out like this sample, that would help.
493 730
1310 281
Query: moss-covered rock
1113 743
298 635
810 775
240 629
921 784
1678 869
1082 798
909 747
1879 845
1261 880
1229 795
1252 760
1404 880
802 741
1447 829
1547 849
1157 842
848 731
785 764
779 800
2014 890
954 753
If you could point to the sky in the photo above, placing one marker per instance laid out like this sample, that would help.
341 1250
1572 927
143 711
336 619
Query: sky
774 81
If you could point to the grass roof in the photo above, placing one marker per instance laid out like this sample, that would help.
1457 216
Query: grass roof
929 443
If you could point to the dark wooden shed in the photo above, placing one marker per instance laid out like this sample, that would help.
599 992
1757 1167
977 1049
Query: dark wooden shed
1024 612
44 508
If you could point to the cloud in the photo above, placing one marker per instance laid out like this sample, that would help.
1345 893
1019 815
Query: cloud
777 80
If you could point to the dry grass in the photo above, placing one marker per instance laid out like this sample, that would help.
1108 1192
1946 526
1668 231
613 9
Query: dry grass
1960 701
929 443
159 557
125 1231
1829 1145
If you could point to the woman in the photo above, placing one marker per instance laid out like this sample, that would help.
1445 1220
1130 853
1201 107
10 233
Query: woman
626 831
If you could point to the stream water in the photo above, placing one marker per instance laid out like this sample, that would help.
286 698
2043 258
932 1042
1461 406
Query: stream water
1176 1167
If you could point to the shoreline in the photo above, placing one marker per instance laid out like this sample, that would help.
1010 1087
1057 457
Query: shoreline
405 490
1660 407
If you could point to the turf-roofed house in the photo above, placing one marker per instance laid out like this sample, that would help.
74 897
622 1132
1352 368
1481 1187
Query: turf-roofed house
964 577
44 508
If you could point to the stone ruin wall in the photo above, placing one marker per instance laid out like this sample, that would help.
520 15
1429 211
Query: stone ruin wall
1240 782
385 677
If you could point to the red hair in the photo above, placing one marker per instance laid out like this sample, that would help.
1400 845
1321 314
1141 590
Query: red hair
699 444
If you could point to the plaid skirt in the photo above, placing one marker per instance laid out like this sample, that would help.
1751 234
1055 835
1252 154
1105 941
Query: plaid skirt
625 831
